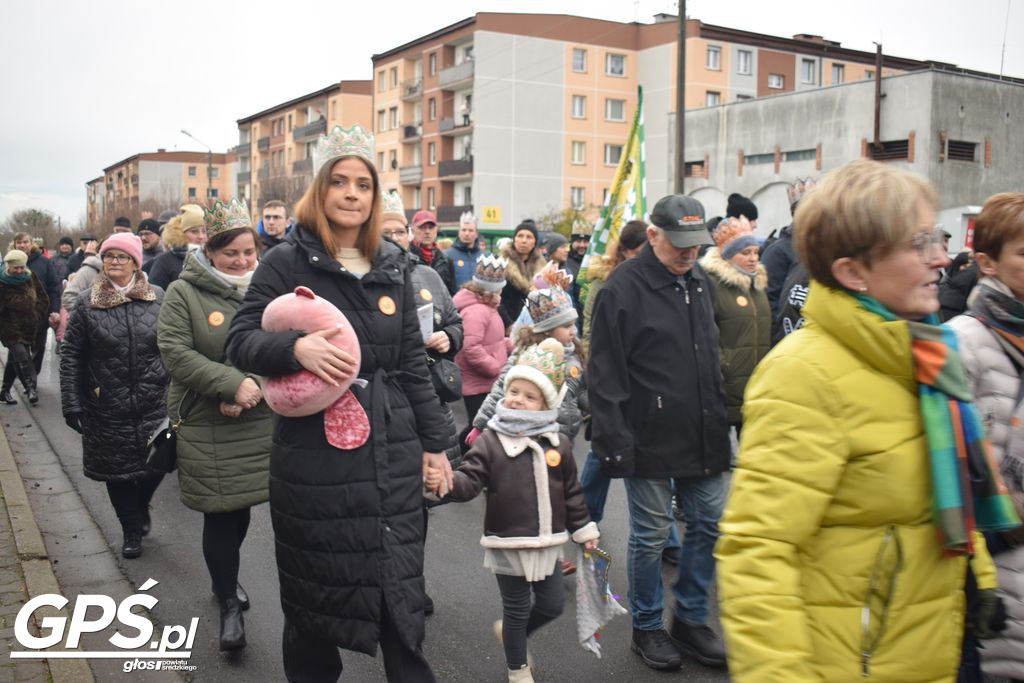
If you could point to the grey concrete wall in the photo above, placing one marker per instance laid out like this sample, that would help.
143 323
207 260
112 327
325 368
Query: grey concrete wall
654 74
518 139
162 181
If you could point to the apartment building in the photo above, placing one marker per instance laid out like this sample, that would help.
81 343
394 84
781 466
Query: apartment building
275 145
154 181
518 115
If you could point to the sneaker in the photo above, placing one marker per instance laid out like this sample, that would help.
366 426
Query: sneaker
700 642
656 649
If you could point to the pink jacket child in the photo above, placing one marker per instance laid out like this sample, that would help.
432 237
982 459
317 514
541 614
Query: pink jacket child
485 347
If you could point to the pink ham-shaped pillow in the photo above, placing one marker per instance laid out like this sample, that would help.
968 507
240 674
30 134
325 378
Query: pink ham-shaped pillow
302 393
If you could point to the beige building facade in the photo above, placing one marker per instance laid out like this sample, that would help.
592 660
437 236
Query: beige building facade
275 146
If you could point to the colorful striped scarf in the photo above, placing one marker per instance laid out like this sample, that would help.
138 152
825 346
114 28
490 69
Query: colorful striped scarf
967 490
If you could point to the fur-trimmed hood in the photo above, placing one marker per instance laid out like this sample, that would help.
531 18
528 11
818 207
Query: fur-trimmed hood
599 267
520 273
105 295
726 272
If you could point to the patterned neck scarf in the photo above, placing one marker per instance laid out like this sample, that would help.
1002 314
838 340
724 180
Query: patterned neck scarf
967 490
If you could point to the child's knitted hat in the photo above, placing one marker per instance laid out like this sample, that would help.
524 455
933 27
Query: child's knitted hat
490 273
550 308
543 365
733 235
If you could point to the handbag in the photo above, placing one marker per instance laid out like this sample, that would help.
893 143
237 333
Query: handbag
162 448
447 379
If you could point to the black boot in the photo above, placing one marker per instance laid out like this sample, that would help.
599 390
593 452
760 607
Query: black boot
132 547
147 523
6 398
27 374
700 642
243 597
655 648
232 625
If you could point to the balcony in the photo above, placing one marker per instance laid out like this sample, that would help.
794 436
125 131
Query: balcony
451 127
453 168
410 175
244 177
412 133
302 167
411 90
455 75
263 143
451 214
242 149
310 131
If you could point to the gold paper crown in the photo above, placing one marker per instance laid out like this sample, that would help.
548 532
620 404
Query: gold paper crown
221 217
343 142
798 189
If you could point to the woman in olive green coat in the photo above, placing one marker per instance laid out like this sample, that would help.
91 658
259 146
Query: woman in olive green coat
224 437
742 311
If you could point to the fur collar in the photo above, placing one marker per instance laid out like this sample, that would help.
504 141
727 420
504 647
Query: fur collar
103 294
727 273
520 273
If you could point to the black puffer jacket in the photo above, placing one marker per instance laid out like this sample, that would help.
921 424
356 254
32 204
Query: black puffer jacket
165 268
348 525
654 374
47 274
778 259
111 374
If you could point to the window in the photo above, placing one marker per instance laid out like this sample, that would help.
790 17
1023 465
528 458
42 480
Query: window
467 54
430 198
869 74
214 172
754 159
579 106
961 150
381 81
393 112
612 154
382 120
191 171
807 70
213 193
334 110
467 195
712 98
579 152
777 81
191 193
380 160
614 110
577 197
579 60
432 109
744 60
393 159
694 169
431 155
289 123
741 98
615 65
837 73
417 198
394 77
800 155
890 150
432 61
714 58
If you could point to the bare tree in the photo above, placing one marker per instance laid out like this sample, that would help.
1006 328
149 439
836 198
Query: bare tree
39 223
287 189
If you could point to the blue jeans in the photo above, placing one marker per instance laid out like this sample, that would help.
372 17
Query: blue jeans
595 493
650 520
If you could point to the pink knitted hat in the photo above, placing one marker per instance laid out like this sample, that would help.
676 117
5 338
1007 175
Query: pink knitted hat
126 242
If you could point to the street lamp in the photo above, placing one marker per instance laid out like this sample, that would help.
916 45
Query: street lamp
209 165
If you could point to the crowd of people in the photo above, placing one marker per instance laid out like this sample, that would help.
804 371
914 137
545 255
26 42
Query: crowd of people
867 523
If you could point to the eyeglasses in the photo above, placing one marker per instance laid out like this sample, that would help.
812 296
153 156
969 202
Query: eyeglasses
392 234
926 244
116 258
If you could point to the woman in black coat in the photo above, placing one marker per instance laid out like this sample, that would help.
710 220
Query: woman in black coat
348 525
113 384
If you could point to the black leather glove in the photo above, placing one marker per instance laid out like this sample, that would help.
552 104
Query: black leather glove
990 617
74 420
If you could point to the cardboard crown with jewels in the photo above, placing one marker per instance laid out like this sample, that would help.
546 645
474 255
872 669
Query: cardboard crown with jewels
220 217
489 274
343 142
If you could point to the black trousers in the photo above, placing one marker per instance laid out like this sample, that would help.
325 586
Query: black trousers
223 533
15 352
39 346
308 659
520 618
473 404
131 498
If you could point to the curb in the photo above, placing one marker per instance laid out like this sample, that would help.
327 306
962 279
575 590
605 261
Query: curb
34 560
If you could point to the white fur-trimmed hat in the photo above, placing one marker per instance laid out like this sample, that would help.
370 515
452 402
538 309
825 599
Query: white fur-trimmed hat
543 365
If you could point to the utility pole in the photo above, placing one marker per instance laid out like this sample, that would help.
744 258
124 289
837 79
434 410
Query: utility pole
877 144
681 100
209 165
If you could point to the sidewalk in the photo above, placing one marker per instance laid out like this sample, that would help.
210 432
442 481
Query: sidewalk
25 572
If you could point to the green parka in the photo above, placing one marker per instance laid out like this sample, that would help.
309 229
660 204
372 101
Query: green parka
223 462
744 323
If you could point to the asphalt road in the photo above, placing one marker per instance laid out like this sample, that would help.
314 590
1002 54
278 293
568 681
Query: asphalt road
459 645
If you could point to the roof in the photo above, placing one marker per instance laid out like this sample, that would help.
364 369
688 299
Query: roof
329 90
178 156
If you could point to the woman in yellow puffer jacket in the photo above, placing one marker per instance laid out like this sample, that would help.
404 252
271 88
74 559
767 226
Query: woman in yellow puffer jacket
832 565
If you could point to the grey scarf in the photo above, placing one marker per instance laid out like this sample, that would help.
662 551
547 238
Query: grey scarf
523 422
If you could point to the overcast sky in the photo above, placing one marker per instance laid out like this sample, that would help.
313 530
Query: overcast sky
86 84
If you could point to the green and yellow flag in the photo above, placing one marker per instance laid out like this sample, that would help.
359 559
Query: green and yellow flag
627 196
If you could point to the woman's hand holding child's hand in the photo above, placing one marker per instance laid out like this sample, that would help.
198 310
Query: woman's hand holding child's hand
434 479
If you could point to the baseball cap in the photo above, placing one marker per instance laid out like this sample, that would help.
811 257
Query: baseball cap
423 216
682 219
